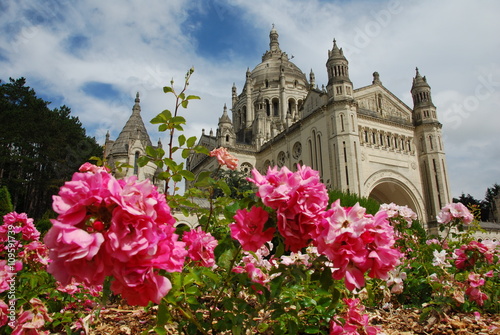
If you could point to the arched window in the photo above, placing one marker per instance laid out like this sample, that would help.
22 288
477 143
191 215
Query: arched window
227 138
136 163
276 107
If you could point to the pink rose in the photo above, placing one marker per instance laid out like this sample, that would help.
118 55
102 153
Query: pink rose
476 295
248 228
29 322
357 243
299 199
129 236
73 252
139 286
200 246
455 211
86 194
109 227
19 223
89 167
4 313
225 158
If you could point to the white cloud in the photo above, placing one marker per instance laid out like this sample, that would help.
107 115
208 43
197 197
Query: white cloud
141 46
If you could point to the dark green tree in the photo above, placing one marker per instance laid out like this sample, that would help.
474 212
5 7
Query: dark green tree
236 181
5 202
488 204
350 199
40 148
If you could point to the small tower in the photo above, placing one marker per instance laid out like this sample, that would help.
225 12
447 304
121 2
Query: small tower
376 79
274 45
312 80
430 148
339 85
226 136
129 146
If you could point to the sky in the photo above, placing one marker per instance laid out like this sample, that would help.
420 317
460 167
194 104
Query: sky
94 56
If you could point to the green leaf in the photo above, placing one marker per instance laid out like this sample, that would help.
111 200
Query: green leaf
280 249
170 163
143 161
193 290
311 330
182 140
326 279
178 120
199 149
224 187
188 175
150 151
203 179
163 117
168 89
292 327
191 142
184 103
163 127
191 97
186 153
262 327
160 330
163 314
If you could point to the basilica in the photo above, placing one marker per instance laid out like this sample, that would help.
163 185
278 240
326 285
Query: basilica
362 140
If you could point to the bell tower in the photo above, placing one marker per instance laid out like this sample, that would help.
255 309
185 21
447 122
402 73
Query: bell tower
339 85
342 110
430 148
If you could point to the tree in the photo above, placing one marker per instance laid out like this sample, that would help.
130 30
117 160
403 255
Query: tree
488 206
40 148
5 202
350 199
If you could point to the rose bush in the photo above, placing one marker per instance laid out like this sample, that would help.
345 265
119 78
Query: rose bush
274 260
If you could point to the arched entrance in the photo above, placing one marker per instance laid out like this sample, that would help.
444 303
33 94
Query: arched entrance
389 186
387 192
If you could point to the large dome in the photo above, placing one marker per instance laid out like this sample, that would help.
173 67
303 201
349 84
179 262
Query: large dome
274 62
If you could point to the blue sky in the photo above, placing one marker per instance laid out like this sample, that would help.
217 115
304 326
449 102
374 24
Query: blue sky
93 56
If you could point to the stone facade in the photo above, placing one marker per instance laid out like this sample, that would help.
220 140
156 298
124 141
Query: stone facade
362 140
122 154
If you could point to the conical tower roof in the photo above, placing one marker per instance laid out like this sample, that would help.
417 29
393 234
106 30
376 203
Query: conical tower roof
224 118
336 53
133 130
419 81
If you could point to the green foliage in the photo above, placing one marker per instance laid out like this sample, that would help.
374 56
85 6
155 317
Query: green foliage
350 199
170 122
33 281
40 148
238 187
488 205
5 201
43 225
